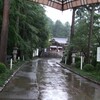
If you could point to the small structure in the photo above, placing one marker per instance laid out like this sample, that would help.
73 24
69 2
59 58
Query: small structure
58 44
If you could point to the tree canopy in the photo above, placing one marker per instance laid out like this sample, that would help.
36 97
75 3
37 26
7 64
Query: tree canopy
28 28
58 29
82 27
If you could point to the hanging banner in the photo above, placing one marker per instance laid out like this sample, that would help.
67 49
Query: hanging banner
98 54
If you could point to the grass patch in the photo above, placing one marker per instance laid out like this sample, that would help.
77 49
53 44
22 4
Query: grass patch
4 76
94 75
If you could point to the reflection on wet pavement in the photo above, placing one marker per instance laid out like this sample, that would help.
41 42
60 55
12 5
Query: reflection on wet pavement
56 83
44 79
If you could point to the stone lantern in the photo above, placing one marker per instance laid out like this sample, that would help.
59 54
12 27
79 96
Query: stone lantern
15 53
73 58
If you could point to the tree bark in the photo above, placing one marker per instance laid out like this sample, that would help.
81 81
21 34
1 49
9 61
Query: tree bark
4 31
90 33
69 59
73 23
17 21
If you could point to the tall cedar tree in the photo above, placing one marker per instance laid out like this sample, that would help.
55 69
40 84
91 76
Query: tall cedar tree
4 31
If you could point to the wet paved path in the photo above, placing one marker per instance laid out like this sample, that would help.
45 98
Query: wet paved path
45 80
23 86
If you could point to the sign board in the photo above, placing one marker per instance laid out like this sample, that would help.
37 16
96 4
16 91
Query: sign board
98 54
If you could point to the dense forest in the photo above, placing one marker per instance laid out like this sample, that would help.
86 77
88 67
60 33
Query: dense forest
58 29
85 36
23 24
28 26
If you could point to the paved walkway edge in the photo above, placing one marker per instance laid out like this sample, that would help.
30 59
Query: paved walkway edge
7 81
65 67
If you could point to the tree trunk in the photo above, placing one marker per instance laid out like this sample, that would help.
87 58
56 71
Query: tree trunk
69 59
90 33
4 31
17 21
73 22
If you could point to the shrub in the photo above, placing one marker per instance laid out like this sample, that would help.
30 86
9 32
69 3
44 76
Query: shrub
88 67
77 64
94 62
77 59
98 66
2 68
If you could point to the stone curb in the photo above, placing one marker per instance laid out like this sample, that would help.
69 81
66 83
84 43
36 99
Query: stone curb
64 66
7 81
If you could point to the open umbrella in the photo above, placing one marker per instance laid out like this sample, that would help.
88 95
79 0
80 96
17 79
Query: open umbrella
66 4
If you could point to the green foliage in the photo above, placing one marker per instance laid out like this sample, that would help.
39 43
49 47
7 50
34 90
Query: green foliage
82 28
50 25
28 27
2 68
77 64
98 67
4 76
80 38
77 59
59 29
94 62
88 67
